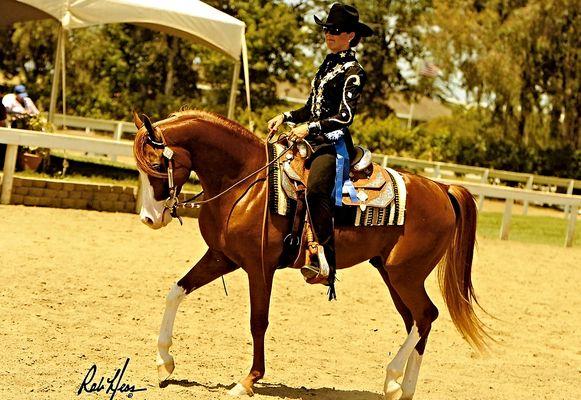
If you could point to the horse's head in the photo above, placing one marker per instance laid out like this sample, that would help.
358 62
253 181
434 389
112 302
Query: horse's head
164 166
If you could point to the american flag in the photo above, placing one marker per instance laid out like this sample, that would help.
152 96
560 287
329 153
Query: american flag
429 69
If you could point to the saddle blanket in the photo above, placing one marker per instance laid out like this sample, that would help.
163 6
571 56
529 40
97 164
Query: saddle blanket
282 202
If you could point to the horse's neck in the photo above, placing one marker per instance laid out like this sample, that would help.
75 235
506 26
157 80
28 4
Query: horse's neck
221 158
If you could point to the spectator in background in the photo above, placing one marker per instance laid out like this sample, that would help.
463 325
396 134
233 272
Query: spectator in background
19 102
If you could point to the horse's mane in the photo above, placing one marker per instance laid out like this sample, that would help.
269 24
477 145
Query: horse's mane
216 119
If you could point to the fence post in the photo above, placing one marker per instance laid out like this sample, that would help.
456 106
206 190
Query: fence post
529 186
573 211
505 227
9 166
484 181
437 172
569 191
117 136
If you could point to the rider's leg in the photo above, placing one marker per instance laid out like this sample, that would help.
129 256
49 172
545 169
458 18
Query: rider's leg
319 196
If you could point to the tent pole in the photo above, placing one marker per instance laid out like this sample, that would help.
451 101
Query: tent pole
63 78
233 90
55 77
247 81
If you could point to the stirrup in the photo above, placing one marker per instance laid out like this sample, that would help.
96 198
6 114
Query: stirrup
317 271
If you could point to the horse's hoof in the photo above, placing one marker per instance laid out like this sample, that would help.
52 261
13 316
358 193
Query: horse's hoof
392 391
165 370
240 390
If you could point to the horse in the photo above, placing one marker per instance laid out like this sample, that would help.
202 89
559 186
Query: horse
439 229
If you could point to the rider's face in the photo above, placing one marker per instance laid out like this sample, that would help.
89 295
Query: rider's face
338 42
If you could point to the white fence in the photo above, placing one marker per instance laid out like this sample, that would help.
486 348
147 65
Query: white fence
437 170
512 194
18 137
433 169
15 137
117 128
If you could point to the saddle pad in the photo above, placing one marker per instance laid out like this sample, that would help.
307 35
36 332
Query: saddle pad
392 201
278 200
393 213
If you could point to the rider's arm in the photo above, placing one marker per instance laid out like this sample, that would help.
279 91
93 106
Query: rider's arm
301 115
332 127
30 106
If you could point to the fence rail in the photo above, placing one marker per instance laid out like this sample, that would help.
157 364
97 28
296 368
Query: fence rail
512 194
436 169
15 137
117 128
18 137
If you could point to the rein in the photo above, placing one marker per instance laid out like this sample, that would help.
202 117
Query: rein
172 203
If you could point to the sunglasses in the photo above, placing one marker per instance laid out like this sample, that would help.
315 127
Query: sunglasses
333 31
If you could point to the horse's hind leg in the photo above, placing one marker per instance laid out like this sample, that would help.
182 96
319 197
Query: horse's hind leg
407 289
211 266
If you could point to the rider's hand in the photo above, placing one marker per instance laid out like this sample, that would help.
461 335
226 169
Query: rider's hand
298 133
275 122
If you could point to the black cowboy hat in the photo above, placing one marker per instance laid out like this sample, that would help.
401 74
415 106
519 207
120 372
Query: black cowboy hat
347 18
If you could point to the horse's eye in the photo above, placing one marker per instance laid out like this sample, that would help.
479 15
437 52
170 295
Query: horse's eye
156 167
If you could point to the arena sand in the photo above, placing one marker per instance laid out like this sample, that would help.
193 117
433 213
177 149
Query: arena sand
80 288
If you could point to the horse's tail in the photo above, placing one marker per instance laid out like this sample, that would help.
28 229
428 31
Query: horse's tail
454 274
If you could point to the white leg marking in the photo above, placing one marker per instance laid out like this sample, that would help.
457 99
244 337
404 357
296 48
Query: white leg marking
410 378
395 368
238 391
165 363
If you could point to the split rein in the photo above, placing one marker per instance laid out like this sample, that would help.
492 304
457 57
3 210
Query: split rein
172 203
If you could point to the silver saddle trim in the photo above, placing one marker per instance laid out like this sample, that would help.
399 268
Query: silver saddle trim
364 162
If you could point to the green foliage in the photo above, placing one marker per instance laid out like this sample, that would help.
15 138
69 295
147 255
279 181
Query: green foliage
386 136
274 39
519 59
469 138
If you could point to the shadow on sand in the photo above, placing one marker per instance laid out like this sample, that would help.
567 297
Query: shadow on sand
276 390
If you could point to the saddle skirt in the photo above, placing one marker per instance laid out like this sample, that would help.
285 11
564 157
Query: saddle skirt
381 192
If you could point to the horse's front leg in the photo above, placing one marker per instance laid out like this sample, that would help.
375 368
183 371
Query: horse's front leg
260 289
211 266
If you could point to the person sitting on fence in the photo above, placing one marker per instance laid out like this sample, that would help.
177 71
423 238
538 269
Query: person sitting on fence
19 102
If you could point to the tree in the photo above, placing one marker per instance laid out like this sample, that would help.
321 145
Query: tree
274 38
518 58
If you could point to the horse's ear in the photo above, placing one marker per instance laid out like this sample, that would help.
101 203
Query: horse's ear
150 130
136 120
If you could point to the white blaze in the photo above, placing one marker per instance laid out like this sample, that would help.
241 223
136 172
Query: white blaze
153 213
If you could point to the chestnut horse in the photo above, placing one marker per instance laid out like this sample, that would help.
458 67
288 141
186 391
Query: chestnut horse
440 226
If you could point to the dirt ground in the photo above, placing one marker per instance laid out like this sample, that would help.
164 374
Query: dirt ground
82 287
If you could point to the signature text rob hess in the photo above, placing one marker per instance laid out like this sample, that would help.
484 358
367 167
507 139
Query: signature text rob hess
111 386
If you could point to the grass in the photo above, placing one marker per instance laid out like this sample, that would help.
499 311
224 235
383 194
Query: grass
528 229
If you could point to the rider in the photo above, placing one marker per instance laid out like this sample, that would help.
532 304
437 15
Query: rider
324 122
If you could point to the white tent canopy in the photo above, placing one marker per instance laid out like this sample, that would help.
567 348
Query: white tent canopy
189 19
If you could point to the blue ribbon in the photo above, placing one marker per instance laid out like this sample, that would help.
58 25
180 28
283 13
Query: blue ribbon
342 181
